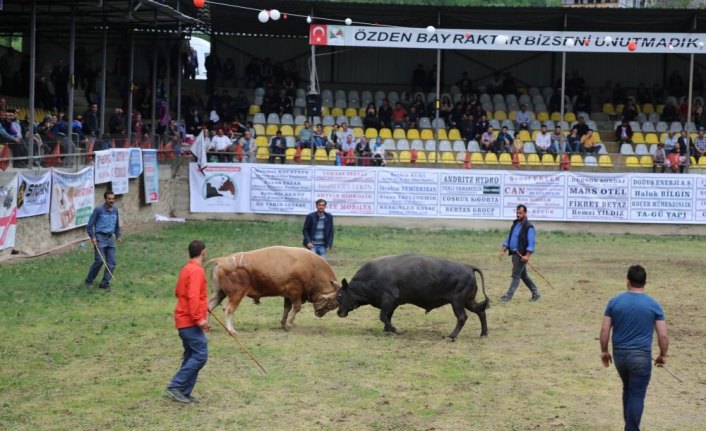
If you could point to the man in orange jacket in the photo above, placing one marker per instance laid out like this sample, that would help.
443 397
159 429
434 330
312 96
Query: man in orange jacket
190 319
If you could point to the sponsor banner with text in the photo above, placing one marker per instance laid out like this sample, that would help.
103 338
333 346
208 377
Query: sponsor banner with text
33 194
150 176
72 199
8 213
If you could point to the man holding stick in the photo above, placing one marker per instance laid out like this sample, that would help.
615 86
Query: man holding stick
633 316
102 225
190 319
520 245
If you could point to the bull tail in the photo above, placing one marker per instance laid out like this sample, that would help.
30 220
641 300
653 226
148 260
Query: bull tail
217 294
481 306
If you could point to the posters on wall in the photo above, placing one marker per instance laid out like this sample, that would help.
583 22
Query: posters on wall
103 166
33 194
8 213
150 176
135 163
121 163
452 193
72 199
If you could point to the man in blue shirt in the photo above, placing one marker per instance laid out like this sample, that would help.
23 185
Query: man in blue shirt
520 245
633 316
318 230
103 224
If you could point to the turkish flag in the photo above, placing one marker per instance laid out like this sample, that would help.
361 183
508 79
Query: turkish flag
318 35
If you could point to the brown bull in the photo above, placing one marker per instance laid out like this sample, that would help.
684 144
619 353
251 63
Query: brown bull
296 274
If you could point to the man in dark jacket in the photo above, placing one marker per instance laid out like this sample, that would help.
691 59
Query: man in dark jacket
318 230
520 244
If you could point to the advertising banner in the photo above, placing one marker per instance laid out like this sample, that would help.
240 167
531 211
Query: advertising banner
221 187
8 213
104 166
33 194
72 199
121 162
135 164
150 176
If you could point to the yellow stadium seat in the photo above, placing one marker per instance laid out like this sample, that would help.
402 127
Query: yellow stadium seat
542 116
604 161
693 160
533 159
262 153
325 111
619 107
358 132
306 154
271 129
505 159
524 136
701 164
351 112
392 157
447 157
597 135
555 117
421 157
651 138
659 108
385 133
431 157
320 155
648 108
489 115
477 159
495 134
261 141
332 155
638 138
500 115
547 160
576 161
427 134
259 130
512 115
254 109
608 108
491 159
522 159
442 134
454 134
289 153
632 162
405 156
412 134
371 133
361 112
534 135
646 161
287 130
327 130
569 117
336 112
399 134
663 137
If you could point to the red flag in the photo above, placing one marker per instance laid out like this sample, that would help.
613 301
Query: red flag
516 160
318 35
565 162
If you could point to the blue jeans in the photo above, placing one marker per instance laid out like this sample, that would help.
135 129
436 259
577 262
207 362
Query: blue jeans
320 249
106 245
195 356
519 272
635 370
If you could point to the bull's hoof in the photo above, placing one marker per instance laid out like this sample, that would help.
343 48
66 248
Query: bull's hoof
483 334
256 301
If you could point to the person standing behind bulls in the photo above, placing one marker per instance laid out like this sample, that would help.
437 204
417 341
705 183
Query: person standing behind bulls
633 316
520 244
318 230
190 320
102 225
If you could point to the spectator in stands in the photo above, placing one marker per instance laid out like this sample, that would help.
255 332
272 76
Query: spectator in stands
431 78
606 92
171 136
116 127
60 79
278 148
575 84
457 115
44 132
249 146
418 104
251 128
580 126
555 101
212 63
669 141
11 134
623 132
464 84
543 141
630 110
589 143
252 74
399 116
319 138
305 136
495 84
191 64
138 131
419 78
657 94
583 101
385 114
269 102
284 103
363 151
685 142
697 113
334 137
412 118
445 109
659 158
371 117
523 118
344 133
44 98
509 85
700 145
573 142
481 125
503 144
643 94
91 122
619 94
670 112
559 142
347 145
378 152
468 128
221 146
487 140
518 147
675 161
266 71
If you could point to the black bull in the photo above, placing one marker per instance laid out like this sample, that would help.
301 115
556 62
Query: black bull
427 282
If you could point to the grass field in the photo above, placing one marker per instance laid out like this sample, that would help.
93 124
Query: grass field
80 359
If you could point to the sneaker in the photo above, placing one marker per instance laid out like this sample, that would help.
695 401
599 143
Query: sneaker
505 298
176 395
87 284
535 297
105 286
192 399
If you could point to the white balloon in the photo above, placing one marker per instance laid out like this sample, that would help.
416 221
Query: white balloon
501 39
608 39
274 14
349 21
431 29
570 42
671 47
701 44
308 20
263 16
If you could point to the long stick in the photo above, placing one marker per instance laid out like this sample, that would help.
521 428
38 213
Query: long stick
242 346
539 273
95 245
669 371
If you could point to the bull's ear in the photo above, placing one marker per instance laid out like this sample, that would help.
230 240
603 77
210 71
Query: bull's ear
344 284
